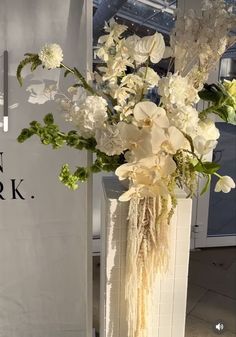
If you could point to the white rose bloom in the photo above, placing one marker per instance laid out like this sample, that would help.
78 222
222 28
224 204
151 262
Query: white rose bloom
177 91
147 114
109 140
224 184
51 56
203 146
90 116
149 46
208 130
206 138
149 76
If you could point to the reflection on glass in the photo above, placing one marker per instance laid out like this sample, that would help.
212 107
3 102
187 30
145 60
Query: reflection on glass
142 17
222 210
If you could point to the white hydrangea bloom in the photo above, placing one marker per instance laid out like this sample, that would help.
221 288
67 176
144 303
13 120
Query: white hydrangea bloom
224 184
51 56
177 91
109 140
185 119
89 116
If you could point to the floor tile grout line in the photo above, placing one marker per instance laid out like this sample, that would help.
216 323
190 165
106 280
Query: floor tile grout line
199 300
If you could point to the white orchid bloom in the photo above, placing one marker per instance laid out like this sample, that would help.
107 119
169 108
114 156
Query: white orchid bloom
224 184
162 164
175 141
141 191
148 114
136 140
125 171
149 46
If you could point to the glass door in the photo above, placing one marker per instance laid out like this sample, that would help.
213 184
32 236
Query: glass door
215 219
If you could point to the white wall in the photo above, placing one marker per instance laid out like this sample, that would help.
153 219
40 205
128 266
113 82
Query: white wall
45 267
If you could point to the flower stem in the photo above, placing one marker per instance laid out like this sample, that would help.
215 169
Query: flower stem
67 68
218 175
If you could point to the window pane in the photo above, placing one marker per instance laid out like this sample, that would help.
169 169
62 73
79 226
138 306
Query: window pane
222 210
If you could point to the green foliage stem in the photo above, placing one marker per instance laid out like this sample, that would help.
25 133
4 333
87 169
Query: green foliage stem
50 134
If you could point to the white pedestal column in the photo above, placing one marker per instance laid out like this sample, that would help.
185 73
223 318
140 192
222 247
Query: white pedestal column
171 289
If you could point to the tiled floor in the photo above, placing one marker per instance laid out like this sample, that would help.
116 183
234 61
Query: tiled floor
211 292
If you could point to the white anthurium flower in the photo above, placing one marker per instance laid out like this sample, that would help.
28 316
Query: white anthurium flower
51 56
224 184
169 52
130 44
175 141
148 114
149 46
149 76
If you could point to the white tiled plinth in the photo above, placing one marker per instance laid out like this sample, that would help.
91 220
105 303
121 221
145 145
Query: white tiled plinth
171 289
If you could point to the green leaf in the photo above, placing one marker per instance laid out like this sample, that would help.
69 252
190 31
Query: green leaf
68 179
206 167
48 119
35 65
67 72
31 58
206 186
24 135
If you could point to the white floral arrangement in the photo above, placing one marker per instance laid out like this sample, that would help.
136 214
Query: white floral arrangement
157 147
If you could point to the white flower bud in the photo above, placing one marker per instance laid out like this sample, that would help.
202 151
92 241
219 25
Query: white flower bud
224 184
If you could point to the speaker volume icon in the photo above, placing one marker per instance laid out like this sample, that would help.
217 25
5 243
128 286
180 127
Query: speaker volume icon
219 327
